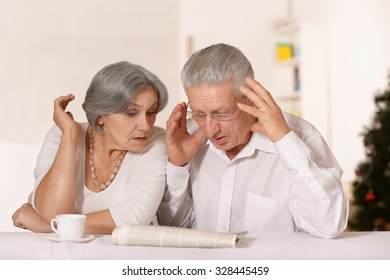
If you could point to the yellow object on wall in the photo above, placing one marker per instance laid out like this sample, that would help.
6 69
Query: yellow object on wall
284 51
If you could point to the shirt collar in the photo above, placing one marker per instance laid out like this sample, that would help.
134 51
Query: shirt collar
258 141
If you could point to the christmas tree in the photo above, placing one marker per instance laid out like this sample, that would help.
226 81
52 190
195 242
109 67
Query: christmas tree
371 188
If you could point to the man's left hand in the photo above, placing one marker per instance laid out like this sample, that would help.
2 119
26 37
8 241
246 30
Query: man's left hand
270 117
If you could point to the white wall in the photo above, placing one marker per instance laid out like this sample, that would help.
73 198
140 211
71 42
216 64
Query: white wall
359 67
16 164
245 24
358 46
50 48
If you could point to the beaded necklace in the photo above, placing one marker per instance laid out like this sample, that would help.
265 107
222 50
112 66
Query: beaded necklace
115 170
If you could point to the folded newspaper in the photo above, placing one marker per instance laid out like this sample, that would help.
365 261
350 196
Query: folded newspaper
164 236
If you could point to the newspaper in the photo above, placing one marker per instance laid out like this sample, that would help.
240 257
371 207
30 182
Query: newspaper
164 236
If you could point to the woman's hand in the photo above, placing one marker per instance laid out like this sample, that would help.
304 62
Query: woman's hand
64 119
26 217
270 117
181 145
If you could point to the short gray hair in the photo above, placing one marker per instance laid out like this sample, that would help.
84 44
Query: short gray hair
114 87
215 65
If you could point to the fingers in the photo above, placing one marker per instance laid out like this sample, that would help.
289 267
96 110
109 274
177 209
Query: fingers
199 136
254 111
269 115
177 120
19 225
261 98
176 112
64 119
260 92
170 131
62 102
183 119
70 115
256 93
261 105
17 217
176 116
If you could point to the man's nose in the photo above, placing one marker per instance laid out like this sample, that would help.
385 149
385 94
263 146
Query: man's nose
211 126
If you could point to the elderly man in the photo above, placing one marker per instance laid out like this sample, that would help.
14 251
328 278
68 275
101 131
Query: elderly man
239 163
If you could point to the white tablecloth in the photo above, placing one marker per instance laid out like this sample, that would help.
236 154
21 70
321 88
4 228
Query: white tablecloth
266 246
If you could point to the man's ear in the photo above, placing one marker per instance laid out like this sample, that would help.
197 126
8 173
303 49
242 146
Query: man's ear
245 100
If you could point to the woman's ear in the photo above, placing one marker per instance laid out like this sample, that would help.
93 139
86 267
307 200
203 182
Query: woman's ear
99 121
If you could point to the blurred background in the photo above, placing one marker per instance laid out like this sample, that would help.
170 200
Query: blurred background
321 59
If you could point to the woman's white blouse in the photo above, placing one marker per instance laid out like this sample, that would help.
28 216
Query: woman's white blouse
135 193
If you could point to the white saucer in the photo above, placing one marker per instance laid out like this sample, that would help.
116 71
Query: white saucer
56 238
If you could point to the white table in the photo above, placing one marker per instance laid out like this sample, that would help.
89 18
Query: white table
265 246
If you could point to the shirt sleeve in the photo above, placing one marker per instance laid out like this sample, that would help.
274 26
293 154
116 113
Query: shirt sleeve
318 202
46 157
176 208
144 187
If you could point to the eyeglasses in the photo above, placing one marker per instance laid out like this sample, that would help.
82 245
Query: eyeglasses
200 116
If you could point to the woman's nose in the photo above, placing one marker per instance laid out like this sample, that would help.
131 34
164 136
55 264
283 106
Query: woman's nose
144 124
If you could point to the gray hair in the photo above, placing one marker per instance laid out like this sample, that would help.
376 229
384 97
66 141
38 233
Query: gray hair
215 65
113 88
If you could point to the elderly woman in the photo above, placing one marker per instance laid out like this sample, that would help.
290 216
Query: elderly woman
112 168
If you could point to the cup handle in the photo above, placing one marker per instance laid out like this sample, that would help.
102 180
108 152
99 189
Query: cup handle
53 227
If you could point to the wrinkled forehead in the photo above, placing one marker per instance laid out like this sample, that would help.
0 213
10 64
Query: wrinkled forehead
225 92
206 98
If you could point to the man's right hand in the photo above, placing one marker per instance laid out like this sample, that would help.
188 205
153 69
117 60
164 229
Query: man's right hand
181 145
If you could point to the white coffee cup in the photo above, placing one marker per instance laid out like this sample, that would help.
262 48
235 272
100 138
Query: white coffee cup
69 225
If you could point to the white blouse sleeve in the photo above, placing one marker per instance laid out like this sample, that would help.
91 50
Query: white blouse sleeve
145 185
46 156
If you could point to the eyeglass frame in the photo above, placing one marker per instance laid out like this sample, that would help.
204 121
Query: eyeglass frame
225 116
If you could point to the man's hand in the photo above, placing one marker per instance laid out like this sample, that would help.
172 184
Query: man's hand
270 117
181 145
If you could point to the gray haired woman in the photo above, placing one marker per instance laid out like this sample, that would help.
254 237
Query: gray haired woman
111 168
